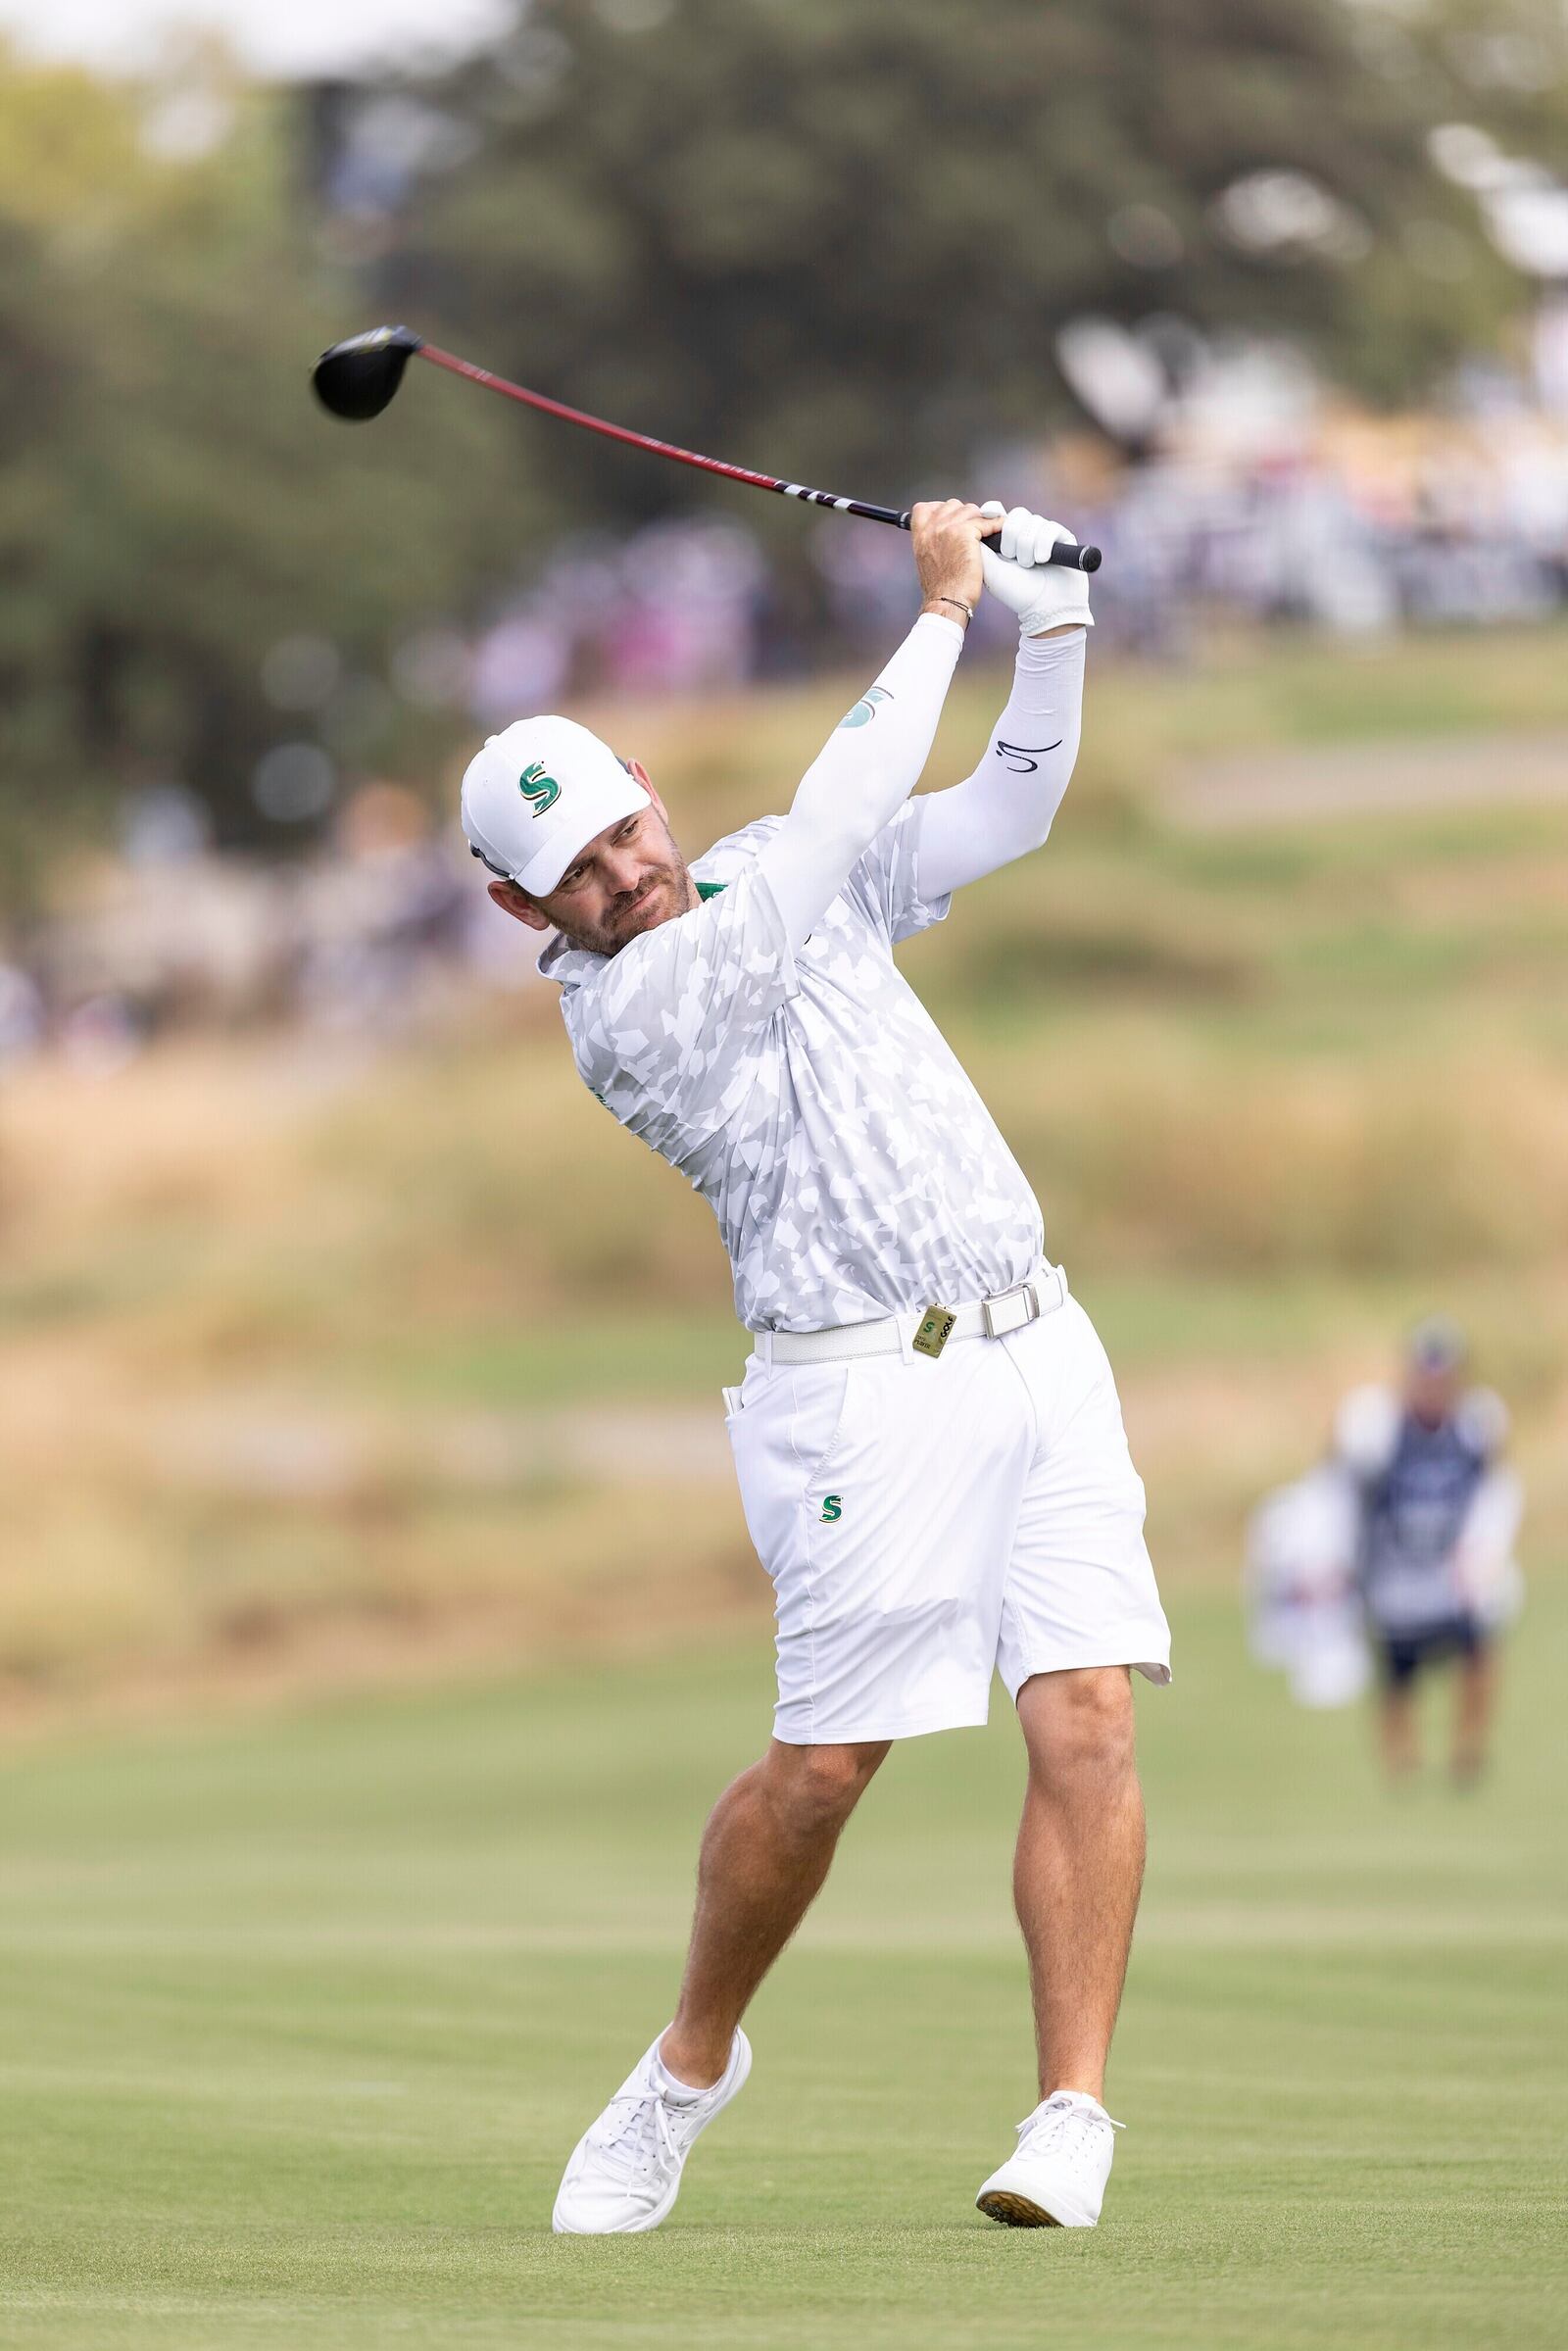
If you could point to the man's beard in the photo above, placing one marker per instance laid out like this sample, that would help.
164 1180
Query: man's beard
662 894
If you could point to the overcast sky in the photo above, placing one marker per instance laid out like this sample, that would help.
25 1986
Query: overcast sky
277 37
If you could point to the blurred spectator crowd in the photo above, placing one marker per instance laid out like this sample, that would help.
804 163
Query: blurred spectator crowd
1254 505
1259 500
373 935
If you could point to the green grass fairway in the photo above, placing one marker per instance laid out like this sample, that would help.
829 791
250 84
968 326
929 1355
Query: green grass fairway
301 2019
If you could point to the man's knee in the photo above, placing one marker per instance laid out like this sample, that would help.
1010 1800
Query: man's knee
1079 1722
818 1787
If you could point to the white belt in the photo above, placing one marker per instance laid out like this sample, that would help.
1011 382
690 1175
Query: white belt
925 1331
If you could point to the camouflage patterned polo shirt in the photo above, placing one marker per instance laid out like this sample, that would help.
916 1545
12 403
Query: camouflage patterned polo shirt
810 1099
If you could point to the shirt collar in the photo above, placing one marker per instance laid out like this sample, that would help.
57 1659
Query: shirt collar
556 963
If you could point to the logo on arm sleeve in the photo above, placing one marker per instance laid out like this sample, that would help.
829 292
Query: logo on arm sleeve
864 710
543 790
1023 758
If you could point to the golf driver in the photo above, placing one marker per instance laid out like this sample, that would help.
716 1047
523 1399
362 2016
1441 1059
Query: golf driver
357 380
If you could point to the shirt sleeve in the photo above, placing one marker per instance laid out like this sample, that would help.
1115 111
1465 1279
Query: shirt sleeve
664 1032
885 882
1366 1429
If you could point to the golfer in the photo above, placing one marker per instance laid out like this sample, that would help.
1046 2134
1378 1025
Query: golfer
927 1437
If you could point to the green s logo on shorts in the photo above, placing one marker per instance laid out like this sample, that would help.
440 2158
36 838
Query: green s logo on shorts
832 1507
543 790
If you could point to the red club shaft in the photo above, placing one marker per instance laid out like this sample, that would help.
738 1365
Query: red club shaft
1084 558
643 440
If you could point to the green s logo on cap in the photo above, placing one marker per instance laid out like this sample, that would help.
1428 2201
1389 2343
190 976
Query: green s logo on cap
543 790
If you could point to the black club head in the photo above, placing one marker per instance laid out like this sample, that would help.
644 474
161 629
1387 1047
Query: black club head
357 380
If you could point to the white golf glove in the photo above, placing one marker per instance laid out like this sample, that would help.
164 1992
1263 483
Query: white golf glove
1019 575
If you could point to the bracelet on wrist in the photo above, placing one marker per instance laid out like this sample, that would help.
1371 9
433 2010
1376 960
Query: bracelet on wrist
958 605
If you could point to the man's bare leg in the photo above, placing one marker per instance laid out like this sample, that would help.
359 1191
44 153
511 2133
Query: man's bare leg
1079 1866
1478 1688
766 1851
1396 1729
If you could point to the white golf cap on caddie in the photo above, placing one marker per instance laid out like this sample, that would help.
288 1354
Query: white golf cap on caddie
537 794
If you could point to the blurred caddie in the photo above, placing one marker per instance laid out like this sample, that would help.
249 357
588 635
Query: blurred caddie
927 1436
1436 1517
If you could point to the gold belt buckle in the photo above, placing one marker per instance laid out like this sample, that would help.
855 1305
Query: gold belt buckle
936 1329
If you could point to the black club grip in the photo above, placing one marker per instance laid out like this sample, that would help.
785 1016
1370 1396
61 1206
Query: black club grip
1065 558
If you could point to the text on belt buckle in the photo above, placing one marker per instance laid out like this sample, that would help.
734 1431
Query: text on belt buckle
936 1329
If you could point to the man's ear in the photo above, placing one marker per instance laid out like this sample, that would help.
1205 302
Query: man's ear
640 775
519 905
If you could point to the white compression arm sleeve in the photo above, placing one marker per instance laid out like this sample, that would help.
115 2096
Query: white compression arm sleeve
1007 807
861 777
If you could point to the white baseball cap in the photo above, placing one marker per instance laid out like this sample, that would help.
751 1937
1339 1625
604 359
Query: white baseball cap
537 794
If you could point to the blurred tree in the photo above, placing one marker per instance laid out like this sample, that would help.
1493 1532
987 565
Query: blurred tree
841 241
836 237
172 503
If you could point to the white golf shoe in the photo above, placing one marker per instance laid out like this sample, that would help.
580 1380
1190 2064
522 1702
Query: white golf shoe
1057 2176
624 2172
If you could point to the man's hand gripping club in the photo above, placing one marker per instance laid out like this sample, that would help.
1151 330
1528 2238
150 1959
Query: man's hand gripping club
1046 597
946 533
954 563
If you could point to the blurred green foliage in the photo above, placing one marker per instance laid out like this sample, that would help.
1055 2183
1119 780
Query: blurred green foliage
835 239
170 506
840 241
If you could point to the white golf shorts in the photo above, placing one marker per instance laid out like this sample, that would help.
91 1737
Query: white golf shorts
926 1523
